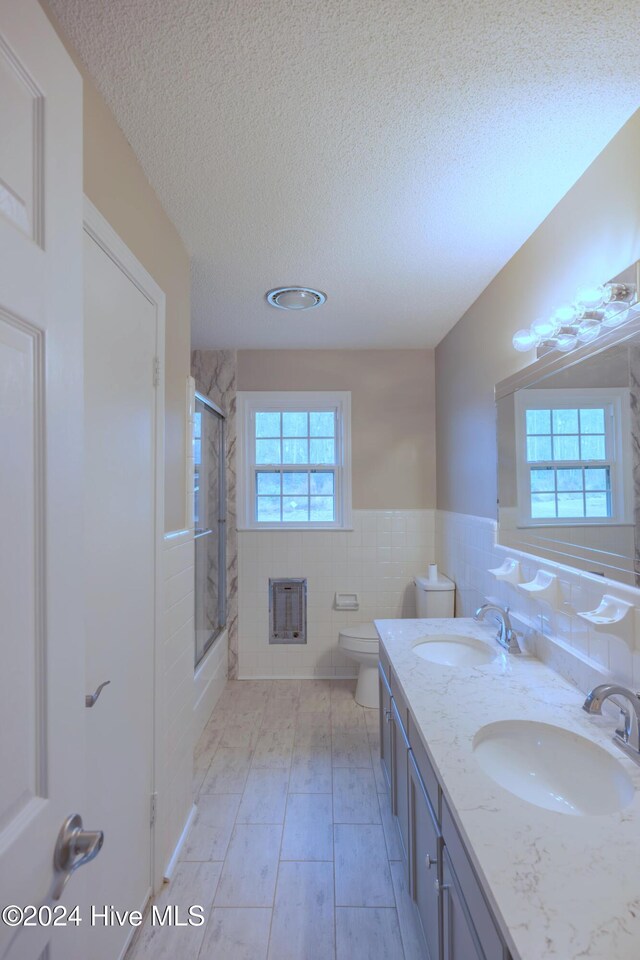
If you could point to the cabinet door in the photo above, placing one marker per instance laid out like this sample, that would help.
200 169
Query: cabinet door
386 720
400 779
460 938
424 860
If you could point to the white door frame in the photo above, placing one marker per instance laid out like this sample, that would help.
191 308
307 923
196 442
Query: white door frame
101 231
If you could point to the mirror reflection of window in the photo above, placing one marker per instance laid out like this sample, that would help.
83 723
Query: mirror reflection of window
570 460
568 449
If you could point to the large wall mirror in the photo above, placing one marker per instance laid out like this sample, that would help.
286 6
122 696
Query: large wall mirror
569 454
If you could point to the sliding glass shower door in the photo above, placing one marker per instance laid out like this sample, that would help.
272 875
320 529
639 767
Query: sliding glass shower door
209 521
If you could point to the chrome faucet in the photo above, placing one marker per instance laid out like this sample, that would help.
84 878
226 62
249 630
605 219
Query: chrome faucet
507 636
627 736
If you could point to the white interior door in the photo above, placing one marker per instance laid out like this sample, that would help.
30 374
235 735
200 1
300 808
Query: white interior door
121 344
41 465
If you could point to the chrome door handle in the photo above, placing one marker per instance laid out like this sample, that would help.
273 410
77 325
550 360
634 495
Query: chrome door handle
91 698
74 847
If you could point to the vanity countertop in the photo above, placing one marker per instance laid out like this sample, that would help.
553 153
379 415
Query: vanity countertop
562 887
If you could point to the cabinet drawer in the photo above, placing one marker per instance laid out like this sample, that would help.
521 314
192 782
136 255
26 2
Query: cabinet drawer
483 922
424 766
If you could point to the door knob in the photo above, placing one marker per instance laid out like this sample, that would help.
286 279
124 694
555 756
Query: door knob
91 698
74 847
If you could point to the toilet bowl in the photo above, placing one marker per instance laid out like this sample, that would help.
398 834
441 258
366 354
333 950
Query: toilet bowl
359 642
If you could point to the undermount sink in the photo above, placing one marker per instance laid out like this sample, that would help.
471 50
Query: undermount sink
552 768
454 650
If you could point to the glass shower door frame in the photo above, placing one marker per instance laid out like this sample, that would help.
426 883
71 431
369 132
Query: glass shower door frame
221 519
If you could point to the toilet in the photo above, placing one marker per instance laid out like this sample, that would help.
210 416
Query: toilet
359 641
434 598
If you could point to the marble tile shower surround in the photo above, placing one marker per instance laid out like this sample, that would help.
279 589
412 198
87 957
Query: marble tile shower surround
466 549
378 559
215 374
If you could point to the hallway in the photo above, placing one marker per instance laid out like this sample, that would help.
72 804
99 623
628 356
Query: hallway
293 854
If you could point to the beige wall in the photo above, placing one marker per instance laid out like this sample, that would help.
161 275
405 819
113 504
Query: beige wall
115 182
392 414
592 235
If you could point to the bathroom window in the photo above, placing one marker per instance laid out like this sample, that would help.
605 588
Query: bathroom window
294 460
572 465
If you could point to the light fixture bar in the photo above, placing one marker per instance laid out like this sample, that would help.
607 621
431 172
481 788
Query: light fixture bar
595 309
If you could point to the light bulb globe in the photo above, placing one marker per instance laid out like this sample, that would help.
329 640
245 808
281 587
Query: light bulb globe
565 342
590 298
545 327
588 330
565 315
525 340
615 313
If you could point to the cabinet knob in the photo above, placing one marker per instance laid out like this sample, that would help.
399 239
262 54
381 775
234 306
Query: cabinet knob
387 715
430 861
437 886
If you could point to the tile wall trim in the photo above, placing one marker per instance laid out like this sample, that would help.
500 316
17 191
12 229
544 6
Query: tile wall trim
378 559
466 549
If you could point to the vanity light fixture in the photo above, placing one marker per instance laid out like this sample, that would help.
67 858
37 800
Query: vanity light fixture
295 298
595 309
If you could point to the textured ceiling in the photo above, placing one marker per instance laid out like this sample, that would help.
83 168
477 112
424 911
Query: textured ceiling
393 153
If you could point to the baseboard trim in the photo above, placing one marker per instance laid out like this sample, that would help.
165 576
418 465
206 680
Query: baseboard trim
175 856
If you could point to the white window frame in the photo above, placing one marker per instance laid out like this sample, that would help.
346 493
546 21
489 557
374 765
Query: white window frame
249 402
618 427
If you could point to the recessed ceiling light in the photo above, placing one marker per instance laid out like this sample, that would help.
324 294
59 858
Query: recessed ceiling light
295 298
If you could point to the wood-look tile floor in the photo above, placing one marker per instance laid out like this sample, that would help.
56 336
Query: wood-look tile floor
293 853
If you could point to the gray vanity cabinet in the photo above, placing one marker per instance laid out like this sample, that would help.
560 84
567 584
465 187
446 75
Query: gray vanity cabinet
472 909
400 779
460 939
394 755
425 855
385 727
448 896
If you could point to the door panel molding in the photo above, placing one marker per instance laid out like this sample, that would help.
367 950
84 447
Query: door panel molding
102 233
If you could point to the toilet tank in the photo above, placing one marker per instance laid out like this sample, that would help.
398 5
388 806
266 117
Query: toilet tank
435 598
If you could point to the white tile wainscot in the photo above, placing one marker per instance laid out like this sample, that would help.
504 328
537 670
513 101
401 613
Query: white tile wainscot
176 724
559 886
377 559
466 550
209 680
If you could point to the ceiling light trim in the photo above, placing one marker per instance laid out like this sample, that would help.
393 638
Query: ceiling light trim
318 296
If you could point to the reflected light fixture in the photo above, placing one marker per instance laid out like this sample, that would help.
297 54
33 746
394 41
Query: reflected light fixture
594 309
295 298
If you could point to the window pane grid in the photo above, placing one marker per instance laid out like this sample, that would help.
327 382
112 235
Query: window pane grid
290 438
295 496
566 434
570 492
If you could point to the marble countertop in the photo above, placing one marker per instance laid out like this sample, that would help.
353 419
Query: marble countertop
562 887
